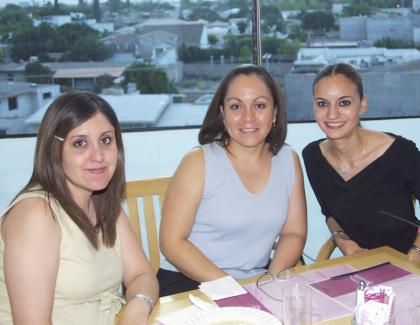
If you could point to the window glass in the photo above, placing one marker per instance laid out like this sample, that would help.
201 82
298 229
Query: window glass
158 63
380 39
12 101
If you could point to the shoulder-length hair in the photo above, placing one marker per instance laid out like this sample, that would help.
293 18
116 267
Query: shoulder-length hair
64 114
213 128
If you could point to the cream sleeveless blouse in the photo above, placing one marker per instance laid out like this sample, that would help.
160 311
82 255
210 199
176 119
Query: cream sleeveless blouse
88 280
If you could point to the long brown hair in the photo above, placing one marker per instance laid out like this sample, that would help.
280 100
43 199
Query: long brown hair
213 128
63 115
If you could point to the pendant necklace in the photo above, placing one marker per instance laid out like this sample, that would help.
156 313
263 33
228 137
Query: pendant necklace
344 167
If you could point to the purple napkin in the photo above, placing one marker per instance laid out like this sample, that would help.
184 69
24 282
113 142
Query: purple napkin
338 287
245 300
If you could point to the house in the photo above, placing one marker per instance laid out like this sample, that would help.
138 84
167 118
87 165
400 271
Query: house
20 99
190 33
159 47
82 75
133 110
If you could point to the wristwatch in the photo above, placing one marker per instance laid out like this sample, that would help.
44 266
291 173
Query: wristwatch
335 234
147 299
416 248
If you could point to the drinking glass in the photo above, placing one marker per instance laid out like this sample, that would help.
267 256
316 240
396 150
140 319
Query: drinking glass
415 315
297 304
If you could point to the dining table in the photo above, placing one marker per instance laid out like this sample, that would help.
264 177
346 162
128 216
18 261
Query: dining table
172 303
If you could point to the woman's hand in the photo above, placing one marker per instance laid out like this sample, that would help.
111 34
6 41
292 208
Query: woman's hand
414 257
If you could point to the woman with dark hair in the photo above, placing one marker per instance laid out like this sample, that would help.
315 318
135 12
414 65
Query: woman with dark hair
234 195
66 244
361 178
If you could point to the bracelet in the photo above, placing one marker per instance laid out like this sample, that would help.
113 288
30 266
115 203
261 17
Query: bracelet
416 248
336 233
146 298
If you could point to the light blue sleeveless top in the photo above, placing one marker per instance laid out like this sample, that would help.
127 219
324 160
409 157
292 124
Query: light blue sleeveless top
234 228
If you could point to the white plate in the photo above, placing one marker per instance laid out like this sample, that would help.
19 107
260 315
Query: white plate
233 316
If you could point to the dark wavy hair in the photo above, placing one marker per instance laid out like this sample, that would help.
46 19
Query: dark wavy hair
344 69
64 114
213 128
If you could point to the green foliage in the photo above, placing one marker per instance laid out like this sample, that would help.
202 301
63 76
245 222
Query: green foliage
37 41
318 20
150 5
78 41
36 72
362 9
13 18
273 21
102 82
149 80
245 54
96 10
213 39
205 13
88 48
75 31
289 47
241 26
392 43
298 34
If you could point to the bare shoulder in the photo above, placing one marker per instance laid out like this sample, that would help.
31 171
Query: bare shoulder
192 163
31 215
379 140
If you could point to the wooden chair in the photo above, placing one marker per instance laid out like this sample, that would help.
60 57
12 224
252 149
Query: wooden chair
144 201
326 250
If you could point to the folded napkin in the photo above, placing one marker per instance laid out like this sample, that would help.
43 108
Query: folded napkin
222 288
180 316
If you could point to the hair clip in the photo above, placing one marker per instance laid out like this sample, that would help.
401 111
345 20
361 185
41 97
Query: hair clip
58 138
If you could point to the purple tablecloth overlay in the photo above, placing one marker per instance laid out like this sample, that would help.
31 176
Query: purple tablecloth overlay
334 298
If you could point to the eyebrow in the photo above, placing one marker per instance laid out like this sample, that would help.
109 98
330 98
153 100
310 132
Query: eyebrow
235 98
86 136
340 98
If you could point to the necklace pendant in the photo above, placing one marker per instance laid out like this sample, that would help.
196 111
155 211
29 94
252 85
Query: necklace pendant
344 168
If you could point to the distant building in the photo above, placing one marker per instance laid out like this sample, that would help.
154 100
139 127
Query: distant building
190 33
375 28
136 110
20 99
312 59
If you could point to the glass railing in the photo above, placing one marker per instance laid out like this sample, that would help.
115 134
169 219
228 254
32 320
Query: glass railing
157 153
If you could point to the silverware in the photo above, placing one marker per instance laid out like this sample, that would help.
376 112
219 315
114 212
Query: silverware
358 271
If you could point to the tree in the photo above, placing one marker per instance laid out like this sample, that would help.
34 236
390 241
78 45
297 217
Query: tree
96 10
392 43
37 41
103 81
13 18
88 48
245 55
362 9
241 26
212 39
37 73
149 80
318 20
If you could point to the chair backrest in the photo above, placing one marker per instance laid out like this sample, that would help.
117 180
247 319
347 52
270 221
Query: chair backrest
144 201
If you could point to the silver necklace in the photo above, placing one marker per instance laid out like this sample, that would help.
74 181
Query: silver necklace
344 167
